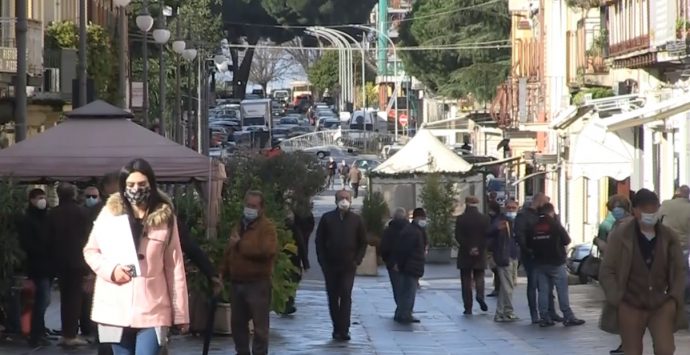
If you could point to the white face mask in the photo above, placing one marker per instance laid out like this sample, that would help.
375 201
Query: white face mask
473 205
511 215
648 219
422 223
251 214
41 204
344 204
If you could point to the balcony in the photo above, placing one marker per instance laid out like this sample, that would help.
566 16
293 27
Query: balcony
519 101
8 46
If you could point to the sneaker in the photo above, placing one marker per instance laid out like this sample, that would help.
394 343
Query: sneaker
499 318
546 323
468 312
511 317
573 322
617 351
78 341
556 318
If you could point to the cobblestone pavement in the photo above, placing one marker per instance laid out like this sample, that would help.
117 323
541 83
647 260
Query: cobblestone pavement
444 330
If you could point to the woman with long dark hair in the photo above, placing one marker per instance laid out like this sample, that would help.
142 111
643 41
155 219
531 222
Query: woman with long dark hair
134 248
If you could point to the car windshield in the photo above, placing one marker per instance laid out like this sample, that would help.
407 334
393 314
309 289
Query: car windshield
289 121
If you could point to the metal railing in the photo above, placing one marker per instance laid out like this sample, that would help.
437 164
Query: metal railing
8 46
362 141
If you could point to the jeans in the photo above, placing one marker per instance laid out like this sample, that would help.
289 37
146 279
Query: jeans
137 342
394 276
250 301
407 292
504 301
548 277
532 280
41 303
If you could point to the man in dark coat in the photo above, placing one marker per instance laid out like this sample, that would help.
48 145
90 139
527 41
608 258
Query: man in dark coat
299 260
34 241
341 241
471 229
391 236
69 225
408 259
525 221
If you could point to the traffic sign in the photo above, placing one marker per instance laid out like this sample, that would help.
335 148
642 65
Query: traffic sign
403 120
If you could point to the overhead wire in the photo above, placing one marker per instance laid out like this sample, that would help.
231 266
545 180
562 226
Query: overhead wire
399 49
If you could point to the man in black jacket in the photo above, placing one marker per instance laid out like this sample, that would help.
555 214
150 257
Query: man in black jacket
525 221
34 240
408 259
391 236
299 260
547 243
341 241
471 229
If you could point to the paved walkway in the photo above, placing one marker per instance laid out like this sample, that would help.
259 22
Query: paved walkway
444 330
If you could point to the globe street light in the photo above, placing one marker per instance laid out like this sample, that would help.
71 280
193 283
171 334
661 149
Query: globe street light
161 35
145 23
178 46
189 54
121 3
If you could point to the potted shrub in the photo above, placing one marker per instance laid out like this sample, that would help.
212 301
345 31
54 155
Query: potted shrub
438 199
374 212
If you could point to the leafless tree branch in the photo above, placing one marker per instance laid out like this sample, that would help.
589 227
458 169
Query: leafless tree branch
269 64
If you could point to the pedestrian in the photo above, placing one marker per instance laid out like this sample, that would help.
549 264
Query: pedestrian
344 171
92 201
504 248
355 179
391 237
675 214
408 260
35 242
643 276
525 221
332 168
341 241
134 249
471 229
548 243
69 225
304 220
620 209
300 259
248 265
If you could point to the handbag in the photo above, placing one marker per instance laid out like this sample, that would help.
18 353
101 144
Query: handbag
590 265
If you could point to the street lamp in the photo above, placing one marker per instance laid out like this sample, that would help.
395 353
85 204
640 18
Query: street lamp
178 46
395 69
361 47
161 35
145 23
122 48
342 62
189 54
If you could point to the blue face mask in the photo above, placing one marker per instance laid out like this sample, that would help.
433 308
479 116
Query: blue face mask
90 201
618 213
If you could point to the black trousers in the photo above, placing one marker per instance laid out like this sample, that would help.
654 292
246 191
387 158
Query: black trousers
71 292
466 278
250 301
339 283
355 189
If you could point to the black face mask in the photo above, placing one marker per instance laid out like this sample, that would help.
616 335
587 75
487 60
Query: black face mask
137 195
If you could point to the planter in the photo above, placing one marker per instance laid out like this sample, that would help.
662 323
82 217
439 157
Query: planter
439 255
369 265
222 321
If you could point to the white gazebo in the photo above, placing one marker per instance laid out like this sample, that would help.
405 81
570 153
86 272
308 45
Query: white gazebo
399 178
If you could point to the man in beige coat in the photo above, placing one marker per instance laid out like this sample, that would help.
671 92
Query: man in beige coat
643 277
675 214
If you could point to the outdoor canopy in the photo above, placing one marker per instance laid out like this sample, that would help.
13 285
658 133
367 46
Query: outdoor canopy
97 139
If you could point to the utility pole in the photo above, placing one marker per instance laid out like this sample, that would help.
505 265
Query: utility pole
161 74
177 117
145 55
82 53
122 57
22 70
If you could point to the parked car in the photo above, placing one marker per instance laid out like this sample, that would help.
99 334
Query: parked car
289 121
576 255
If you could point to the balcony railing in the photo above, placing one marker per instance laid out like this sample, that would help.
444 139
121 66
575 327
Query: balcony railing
8 46
519 101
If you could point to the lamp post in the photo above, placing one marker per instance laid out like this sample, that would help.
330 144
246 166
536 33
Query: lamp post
121 49
161 35
145 23
82 53
395 69
189 55
342 62
178 46
363 67
20 84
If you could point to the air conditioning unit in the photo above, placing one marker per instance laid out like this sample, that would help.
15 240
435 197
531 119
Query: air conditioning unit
51 80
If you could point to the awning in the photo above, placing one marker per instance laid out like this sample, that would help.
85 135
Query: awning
566 117
649 113
598 153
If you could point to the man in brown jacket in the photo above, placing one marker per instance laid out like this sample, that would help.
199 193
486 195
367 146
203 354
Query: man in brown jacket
471 229
355 177
643 276
248 264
